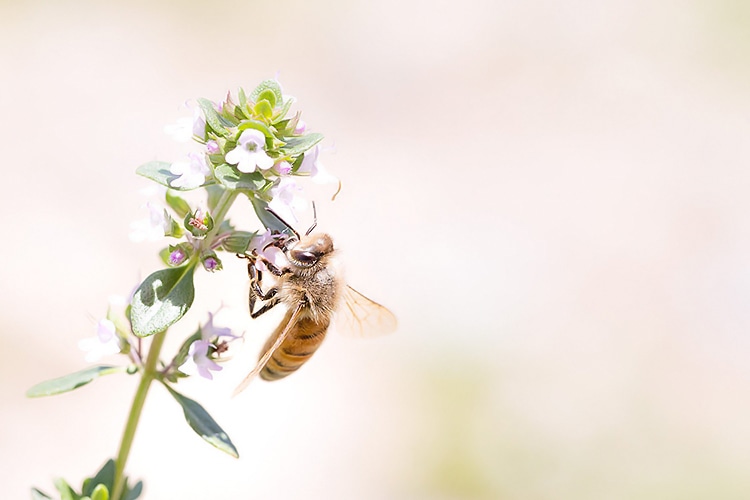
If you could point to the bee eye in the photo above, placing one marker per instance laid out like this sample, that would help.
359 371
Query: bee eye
304 257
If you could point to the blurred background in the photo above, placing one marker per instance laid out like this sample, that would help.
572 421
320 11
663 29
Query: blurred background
551 196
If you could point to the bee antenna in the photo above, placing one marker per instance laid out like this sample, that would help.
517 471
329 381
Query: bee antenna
315 220
270 210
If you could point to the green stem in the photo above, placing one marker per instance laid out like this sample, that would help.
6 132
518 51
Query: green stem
149 372
147 376
222 207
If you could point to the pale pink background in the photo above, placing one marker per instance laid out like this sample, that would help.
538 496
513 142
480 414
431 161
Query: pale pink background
552 197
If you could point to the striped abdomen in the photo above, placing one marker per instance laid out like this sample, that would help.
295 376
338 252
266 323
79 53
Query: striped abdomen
301 342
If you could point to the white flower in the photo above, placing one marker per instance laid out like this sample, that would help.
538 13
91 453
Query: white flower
286 198
315 168
192 174
202 351
181 130
209 331
199 355
153 227
283 168
185 129
250 154
104 343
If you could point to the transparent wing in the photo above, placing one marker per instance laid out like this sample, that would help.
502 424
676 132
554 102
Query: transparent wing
267 355
359 316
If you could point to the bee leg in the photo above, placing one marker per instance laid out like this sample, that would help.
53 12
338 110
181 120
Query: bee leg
267 306
256 292
272 267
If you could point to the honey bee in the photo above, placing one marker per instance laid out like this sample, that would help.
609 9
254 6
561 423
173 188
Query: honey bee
310 285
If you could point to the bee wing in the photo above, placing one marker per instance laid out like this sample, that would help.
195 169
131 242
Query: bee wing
269 352
359 316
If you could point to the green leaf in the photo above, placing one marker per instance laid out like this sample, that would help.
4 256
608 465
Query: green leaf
134 492
264 109
72 381
263 90
217 123
105 477
297 145
230 177
202 423
177 203
65 490
281 113
242 97
246 124
39 495
269 96
158 171
101 492
162 299
238 241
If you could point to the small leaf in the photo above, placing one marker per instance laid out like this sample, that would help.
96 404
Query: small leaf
297 145
162 299
158 171
230 177
105 477
238 241
101 492
72 381
217 123
264 109
202 423
177 203
134 492
264 88
269 96
39 495
247 124
281 113
65 490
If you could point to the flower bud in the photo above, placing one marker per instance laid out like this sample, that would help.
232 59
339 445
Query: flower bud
177 256
211 262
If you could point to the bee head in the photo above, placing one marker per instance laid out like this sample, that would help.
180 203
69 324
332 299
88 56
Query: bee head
310 249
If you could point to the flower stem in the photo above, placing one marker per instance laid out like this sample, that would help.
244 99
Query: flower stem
147 376
222 207
149 372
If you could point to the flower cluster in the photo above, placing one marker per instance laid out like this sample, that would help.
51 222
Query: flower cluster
250 145
247 145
